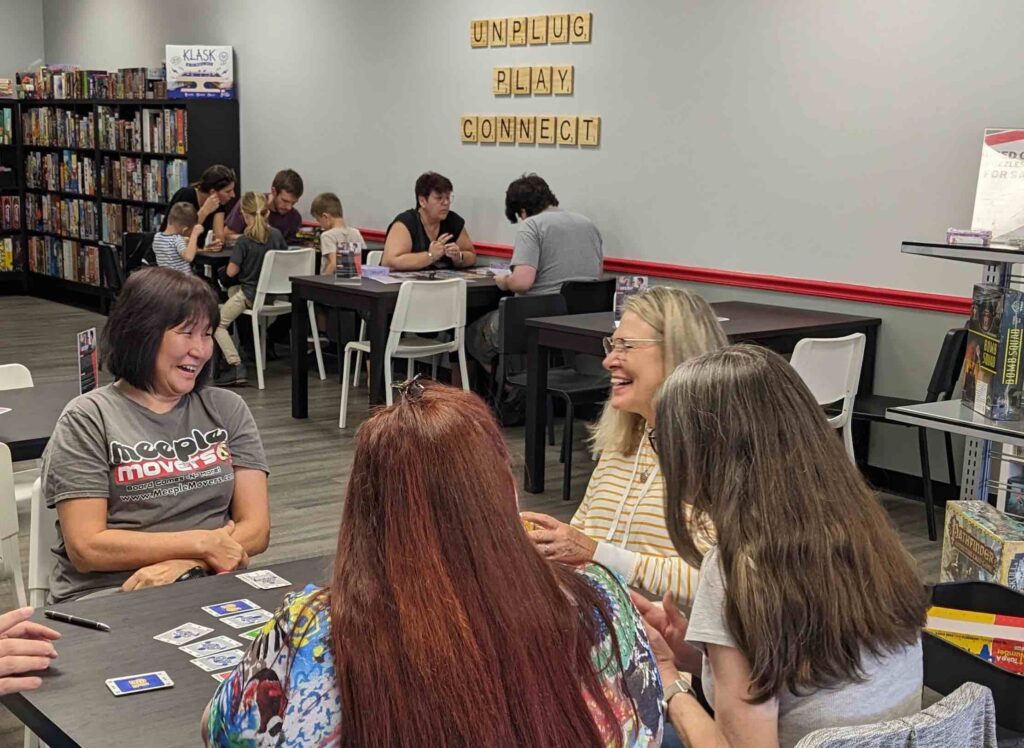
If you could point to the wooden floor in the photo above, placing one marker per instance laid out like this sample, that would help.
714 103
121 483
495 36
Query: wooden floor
310 459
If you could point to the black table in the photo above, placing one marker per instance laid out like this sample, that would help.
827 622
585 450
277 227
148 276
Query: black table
34 411
775 327
73 707
372 298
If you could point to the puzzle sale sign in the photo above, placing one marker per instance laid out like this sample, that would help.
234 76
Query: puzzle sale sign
200 71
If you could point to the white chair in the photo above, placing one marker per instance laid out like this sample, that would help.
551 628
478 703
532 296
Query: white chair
15 377
279 265
830 367
422 306
42 537
966 717
10 556
372 260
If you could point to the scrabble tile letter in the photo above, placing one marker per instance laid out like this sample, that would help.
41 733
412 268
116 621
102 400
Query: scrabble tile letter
567 130
579 28
478 33
485 129
561 79
499 32
468 129
546 130
521 81
517 31
526 130
537 30
506 129
558 30
590 131
501 81
540 80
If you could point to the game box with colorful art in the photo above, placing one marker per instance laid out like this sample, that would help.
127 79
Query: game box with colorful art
992 370
982 544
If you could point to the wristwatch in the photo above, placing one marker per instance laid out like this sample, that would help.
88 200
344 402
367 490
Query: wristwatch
194 573
674 688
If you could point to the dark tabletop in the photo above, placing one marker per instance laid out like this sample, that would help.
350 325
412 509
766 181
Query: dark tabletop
27 427
743 319
80 710
368 287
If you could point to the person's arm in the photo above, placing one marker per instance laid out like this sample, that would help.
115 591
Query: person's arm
93 547
250 510
525 260
219 234
328 254
25 647
210 204
398 254
234 224
188 252
520 280
233 269
235 263
461 252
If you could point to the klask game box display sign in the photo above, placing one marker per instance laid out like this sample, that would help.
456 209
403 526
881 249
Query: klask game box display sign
200 71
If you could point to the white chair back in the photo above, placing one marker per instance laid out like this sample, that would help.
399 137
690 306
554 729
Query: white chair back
373 257
14 377
279 265
430 306
42 537
10 555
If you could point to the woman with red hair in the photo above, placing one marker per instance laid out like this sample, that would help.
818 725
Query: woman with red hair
442 625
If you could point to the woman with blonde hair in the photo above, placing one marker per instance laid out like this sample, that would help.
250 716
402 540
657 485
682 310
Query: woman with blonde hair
621 522
809 611
246 264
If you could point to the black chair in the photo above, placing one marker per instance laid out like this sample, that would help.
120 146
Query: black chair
944 379
585 297
573 387
138 250
111 271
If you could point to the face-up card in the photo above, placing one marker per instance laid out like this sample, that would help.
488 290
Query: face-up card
183 634
210 646
139 683
263 579
221 676
230 607
252 633
219 661
245 620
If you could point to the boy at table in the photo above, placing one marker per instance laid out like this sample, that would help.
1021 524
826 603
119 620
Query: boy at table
169 244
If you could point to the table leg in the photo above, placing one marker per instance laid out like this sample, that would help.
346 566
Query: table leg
377 329
300 365
536 414
866 386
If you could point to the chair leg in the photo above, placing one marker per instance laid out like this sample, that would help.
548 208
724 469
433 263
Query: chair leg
388 363
463 369
257 342
926 482
950 463
12 562
316 340
550 404
410 368
263 340
567 446
433 366
345 371
359 354
848 440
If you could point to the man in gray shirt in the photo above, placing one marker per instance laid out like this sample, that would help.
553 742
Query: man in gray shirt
552 246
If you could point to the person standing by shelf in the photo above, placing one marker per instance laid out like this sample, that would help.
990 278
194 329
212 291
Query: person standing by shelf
285 191
210 196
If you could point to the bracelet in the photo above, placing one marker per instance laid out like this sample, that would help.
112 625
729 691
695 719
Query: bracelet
673 689
460 255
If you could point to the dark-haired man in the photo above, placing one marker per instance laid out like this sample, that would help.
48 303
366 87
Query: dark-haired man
285 191
551 247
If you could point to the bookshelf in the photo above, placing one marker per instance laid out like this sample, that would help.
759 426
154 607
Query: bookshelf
12 239
88 171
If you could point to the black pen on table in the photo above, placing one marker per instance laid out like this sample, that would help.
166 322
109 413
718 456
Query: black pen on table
56 615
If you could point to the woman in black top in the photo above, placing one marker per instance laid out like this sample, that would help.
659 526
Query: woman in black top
430 235
210 195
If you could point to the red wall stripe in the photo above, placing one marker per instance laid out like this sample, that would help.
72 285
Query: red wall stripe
933 302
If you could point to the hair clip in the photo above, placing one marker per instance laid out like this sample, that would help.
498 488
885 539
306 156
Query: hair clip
410 388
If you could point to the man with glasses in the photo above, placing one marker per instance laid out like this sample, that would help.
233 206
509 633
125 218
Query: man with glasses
285 191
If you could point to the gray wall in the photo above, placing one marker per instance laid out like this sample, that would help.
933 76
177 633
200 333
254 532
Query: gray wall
798 138
21 35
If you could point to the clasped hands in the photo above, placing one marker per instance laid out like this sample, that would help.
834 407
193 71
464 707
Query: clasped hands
218 551
443 245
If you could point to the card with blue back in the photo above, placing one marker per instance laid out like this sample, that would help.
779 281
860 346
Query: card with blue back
230 607
139 683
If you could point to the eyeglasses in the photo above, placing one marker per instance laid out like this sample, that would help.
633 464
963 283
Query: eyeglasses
625 345
653 439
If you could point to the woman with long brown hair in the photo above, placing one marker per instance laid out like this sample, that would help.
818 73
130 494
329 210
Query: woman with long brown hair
808 612
442 626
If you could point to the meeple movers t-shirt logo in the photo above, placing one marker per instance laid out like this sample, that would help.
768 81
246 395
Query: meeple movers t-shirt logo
160 459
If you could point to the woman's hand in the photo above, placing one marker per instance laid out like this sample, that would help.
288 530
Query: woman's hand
438 247
558 541
158 575
221 551
452 252
210 204
24 647
668 622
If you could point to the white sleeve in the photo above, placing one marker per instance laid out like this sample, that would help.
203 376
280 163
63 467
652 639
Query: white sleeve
619 560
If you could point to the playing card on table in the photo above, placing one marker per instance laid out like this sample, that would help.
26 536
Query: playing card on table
250 618
263 579
219 661
183 634
230 607
252 633
221 676
137 683
210 646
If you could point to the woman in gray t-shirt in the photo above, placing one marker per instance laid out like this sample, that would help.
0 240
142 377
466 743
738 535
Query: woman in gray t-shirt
808 612
155 476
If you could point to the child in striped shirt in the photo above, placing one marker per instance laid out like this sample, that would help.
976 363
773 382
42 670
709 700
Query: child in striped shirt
170 247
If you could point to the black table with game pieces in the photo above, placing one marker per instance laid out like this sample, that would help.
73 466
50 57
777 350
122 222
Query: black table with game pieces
74 706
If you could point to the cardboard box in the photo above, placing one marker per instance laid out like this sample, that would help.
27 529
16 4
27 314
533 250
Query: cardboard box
982 544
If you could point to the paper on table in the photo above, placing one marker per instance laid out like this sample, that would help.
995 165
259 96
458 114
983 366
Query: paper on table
723 319
4 410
